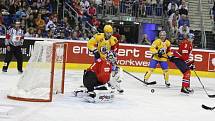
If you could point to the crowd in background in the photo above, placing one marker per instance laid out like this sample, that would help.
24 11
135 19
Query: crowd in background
39 18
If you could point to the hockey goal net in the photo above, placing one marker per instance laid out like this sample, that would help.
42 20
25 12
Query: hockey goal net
44 74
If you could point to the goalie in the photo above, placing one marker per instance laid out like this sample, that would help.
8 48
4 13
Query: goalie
98 76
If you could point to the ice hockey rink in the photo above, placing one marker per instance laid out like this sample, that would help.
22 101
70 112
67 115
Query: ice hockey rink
136 104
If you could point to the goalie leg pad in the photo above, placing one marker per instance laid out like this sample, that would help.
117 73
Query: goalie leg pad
104 96
80 92
101 96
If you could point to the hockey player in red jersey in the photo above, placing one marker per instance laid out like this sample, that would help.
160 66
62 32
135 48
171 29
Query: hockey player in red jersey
97 77
183 63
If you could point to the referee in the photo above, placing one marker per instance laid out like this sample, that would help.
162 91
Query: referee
13 42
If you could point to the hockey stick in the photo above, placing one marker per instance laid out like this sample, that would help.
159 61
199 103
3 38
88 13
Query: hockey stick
147 83
211 96
207 107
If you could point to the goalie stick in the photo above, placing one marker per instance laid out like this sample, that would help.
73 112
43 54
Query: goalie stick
211 96
207 107
147 83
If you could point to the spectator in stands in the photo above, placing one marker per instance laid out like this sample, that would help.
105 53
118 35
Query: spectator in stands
39 33
142 8
49 6
183 20
39 22
30 32
84 5
116 34
135 8
79 11
75 36
109 9
183 10
165 6
34 8
145 40
77 29
173 23
183 30
84 38
123 39
95 22
149 8
116 7
158 8
183 3
91 11
30 21
13 8
172 7
50 34
50 24
99 5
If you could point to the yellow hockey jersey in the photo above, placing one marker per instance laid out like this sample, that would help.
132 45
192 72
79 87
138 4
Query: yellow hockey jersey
98 42
157 45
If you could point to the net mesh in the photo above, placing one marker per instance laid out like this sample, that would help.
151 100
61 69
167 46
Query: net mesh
35 83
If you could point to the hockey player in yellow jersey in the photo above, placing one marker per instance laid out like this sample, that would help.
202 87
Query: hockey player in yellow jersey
160 50
101 43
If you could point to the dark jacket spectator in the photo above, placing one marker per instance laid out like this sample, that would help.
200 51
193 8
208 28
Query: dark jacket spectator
183 10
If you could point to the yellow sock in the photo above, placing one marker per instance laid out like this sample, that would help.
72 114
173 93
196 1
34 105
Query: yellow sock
166 75
148 74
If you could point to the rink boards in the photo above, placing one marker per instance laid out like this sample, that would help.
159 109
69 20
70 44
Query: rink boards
134 58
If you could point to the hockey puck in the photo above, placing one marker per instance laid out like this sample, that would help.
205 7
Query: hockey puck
152 90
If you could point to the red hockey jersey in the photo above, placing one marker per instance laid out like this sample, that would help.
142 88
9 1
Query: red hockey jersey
102 68
184 50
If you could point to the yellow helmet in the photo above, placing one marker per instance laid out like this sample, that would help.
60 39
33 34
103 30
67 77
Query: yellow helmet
108 28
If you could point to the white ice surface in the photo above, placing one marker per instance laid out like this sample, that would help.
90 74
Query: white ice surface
136 104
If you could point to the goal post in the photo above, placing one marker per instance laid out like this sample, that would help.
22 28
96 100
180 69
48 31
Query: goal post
44 74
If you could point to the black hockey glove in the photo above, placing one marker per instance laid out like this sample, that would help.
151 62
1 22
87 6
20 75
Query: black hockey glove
104 50
192 66
161 52
172 58
96 54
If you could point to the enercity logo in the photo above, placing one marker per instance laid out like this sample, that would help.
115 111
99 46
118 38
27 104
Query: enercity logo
121 52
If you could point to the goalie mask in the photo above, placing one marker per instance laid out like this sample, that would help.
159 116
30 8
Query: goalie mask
111 57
